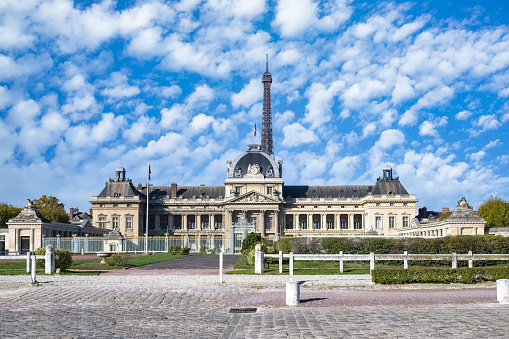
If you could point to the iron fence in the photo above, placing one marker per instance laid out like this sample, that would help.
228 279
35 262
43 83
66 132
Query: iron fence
136 244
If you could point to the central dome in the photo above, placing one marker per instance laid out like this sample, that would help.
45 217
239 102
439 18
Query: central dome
254 156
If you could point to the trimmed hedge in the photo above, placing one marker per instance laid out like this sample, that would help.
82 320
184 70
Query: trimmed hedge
63 258
486 244
438 275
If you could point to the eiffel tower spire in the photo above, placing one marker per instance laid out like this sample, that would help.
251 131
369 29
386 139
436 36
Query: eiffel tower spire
267 142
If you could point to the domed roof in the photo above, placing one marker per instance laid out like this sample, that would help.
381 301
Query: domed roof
248 161
120 168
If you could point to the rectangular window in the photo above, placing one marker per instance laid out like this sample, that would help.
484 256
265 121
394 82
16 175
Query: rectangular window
178 222
378 222
115 205
128 223
268 226
115 222
405 204
302 225
316 225
237 190
102 222
391 222
343 225
330 225
378 204
391 204
269 190
405 221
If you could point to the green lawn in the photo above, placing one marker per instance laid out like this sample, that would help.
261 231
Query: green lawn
305 268
91 266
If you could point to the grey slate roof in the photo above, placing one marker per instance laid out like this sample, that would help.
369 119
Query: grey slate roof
344 191
389 187
186 192
122 188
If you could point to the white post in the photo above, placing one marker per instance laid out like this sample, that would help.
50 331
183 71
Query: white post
470 262
280 261
405 262
291 265
340 261
258 259
34 266
371 261
454 261
292 293
49 262
28 261
221 267
148 198
503 291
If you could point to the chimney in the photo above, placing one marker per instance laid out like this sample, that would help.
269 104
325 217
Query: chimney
90 212
445 210
71 212
140 187
173 190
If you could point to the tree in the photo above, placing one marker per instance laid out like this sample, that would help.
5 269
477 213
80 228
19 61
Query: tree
7 212
495 211
445 215
51 209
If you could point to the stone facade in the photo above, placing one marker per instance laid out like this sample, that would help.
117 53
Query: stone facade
462 221
24 232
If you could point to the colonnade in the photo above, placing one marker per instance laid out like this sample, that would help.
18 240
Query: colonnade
324 221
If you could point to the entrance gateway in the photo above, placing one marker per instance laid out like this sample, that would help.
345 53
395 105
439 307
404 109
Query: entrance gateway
238 232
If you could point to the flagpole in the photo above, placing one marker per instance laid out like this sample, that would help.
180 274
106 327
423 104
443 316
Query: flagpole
148 195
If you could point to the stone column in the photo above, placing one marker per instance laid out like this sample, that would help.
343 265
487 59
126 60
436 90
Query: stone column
350 221
198 221
211 221
157 224
337 222
310 221
296 221
262 223
323 222
184 221
32 239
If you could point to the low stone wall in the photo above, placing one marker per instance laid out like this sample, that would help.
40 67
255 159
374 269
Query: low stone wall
503 231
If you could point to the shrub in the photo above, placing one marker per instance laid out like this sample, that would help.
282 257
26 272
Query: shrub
63 258
119 259
438 275
203 250
177 250
250 241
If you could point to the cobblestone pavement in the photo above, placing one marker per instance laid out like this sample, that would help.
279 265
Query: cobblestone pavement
123 311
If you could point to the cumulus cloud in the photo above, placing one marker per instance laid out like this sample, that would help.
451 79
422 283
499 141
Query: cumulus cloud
296 135
463 115
118 87
390 138
249 95
485 123
318 109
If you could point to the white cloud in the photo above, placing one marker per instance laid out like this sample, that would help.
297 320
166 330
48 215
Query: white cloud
118 87
172 92
23 113
428 127
137 130
463 115
369 129
345 169
486 123
282 119
390 138
296 135
200 122
492 144
249 95
476 157
318 109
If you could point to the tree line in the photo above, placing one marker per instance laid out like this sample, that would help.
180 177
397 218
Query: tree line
49 207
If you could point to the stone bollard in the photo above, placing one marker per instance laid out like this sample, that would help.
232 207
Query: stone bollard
49 262
33 268
503 291
292 292
258 259
221 267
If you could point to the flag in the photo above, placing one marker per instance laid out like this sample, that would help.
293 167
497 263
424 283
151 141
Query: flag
149 172
255 130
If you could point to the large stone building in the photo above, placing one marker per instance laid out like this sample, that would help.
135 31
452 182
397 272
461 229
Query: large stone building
254 197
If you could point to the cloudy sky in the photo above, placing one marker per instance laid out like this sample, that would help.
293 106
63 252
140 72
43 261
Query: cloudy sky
87 85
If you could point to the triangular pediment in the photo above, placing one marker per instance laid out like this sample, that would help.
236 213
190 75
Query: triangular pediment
254 197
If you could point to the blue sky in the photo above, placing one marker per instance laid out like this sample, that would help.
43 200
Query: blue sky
87 85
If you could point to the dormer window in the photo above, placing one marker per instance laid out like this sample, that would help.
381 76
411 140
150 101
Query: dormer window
269 190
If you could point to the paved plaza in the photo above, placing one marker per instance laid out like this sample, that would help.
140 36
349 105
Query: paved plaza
124 310
185 299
